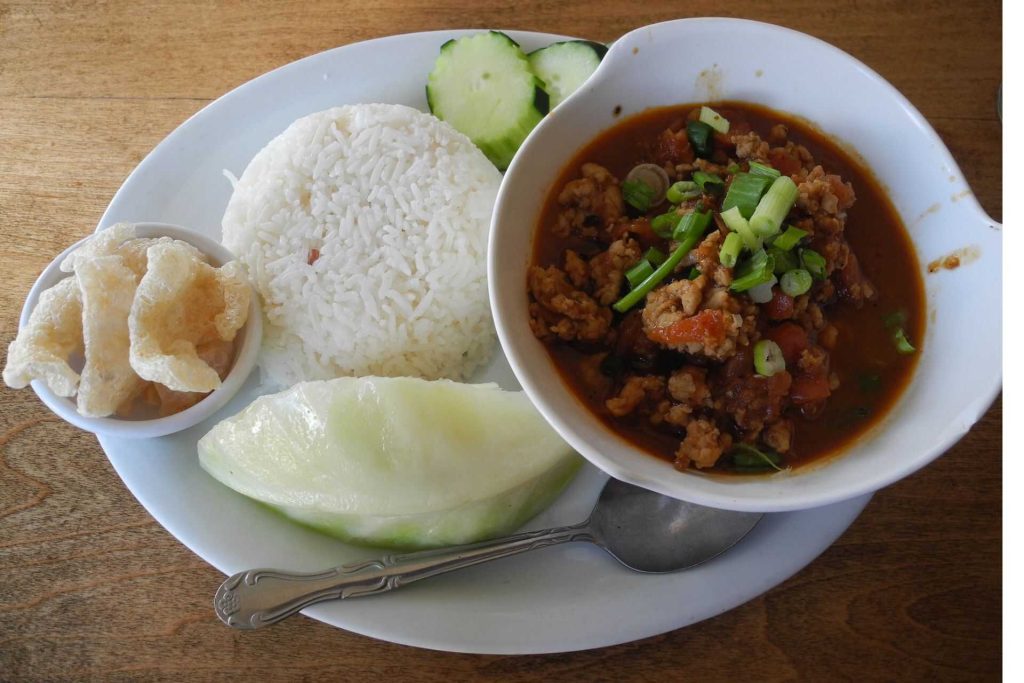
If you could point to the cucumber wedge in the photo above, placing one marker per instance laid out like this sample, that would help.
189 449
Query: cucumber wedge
565 66
483 86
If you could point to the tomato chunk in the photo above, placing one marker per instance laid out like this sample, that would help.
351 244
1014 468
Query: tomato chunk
809 389
782 161
791 338
708 327
780 307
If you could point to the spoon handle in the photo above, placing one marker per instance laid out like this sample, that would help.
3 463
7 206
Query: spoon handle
259 597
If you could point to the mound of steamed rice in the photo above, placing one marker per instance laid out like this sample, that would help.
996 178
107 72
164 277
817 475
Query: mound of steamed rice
364 229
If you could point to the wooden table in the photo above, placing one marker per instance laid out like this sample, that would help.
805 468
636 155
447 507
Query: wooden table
92 587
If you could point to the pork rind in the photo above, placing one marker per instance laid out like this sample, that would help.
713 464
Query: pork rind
52 336
108 290
117 240
182 303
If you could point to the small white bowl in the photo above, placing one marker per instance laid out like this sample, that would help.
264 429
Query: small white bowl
247 344
700 60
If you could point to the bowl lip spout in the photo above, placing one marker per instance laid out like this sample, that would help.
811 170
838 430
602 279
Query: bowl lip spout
517 207
250 337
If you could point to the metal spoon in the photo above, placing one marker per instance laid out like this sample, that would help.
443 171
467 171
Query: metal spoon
645 531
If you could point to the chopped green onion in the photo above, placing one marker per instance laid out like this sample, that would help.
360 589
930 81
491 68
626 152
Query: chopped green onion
695 222
735 221
694 273
745 192
679 192
687 239
869 383
730 251
903 344
655 256
639 273
764 170
813 262
785 261
748 458
790 238
700 136
664 224
795 282
708 182
638 194
895 319
714 119
774 206
764 292
755 271
768 358
732 169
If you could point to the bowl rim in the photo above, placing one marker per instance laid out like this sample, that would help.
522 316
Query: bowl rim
619 467
245 357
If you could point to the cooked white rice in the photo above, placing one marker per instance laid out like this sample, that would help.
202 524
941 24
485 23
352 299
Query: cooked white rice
397 203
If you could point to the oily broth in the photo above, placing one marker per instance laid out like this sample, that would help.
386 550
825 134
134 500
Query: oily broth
872 373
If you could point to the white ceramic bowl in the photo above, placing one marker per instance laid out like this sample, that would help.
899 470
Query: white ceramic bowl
695 60
247 347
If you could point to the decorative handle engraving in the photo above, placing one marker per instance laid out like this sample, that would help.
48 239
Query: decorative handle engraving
260 597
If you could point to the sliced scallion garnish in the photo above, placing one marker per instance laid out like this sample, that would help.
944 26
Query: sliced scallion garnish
789 238
870 383
755 271
708 182
729 254
774 206
903 344
764 292
700 136
735 221
664 224
714 119
748 458
695 222
785 261
694 273
655 256
795 282
765 170
768 358
638 194
813 263
678 193
744 193
639 273
690 231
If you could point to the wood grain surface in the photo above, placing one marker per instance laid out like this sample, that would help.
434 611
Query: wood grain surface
92 588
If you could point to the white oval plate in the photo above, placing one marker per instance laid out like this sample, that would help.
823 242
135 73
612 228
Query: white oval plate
552 600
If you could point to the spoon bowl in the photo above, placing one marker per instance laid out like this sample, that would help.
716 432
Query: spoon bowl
652 533
645 531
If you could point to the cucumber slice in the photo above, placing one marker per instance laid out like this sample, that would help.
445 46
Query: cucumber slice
565 66
483 86
395 462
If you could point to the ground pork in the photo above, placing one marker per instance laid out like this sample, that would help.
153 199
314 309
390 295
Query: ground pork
636 390
563 311
779 436
703 445
749 145
607 269
671 318
826 193
590 203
